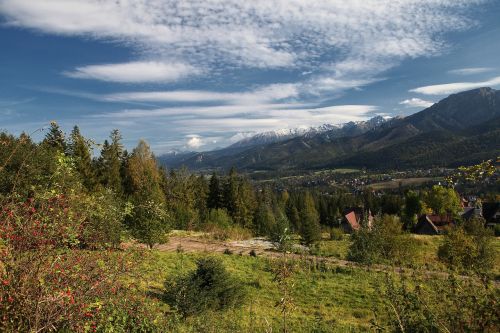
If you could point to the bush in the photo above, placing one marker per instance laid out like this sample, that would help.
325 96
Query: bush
385 242
468 247
209 287
336 234
280 234
437 305
220 218
497 230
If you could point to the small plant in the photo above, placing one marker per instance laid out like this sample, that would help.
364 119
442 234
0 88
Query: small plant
283 277
336 234
209 287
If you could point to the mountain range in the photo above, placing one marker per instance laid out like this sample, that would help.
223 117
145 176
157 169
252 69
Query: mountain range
460 129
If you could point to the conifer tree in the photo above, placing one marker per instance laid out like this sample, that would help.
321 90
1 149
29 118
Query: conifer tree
310 229
80 150
215 198
148 220
55 137
110 162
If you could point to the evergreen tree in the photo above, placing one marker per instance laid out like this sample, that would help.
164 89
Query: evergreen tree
310 229
230 193
264 220
110 162
148 220
80 150
293 215
201 188
215 198
55 137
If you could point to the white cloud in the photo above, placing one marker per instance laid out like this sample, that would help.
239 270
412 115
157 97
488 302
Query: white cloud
367 37
135 72
273 92
451 88
416 103
471 70
194 141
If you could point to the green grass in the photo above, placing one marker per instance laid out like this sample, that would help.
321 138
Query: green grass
327 300
394 184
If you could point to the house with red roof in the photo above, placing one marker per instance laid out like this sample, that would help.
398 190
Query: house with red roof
353 219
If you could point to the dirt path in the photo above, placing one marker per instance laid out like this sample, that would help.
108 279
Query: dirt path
261 248
264 248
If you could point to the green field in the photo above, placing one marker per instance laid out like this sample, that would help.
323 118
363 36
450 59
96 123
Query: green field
326 298
396 183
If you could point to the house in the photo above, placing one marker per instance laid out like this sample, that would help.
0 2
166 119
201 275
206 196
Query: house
471 212
491 213
430 224
353 219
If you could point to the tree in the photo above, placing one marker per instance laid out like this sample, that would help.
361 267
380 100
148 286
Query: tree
148 218
55 137
310 229
239 199
80 150
264 219
209 287
468 247
384 242
412 208
443 201
110 162
215 195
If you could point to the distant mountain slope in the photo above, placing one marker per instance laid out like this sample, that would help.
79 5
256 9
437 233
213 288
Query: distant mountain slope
462 128
343 130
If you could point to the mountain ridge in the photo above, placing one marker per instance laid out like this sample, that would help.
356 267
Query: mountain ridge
396 143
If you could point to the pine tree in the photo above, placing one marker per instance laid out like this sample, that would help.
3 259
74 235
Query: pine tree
310 229
110 162
230 193
264 220
148 220
55 137
79 149
215 198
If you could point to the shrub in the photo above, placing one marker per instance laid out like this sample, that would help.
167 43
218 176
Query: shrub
468 247
209 287
385 242
219 217
148 222
336 234
497 230
437 305
280 234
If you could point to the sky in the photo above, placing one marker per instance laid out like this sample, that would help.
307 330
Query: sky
199 75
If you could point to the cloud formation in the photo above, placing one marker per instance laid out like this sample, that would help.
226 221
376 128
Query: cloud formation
343 44
416 103
135 72
267 93
194 142
470 70
451 88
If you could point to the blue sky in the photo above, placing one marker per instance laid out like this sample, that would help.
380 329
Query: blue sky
196 75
